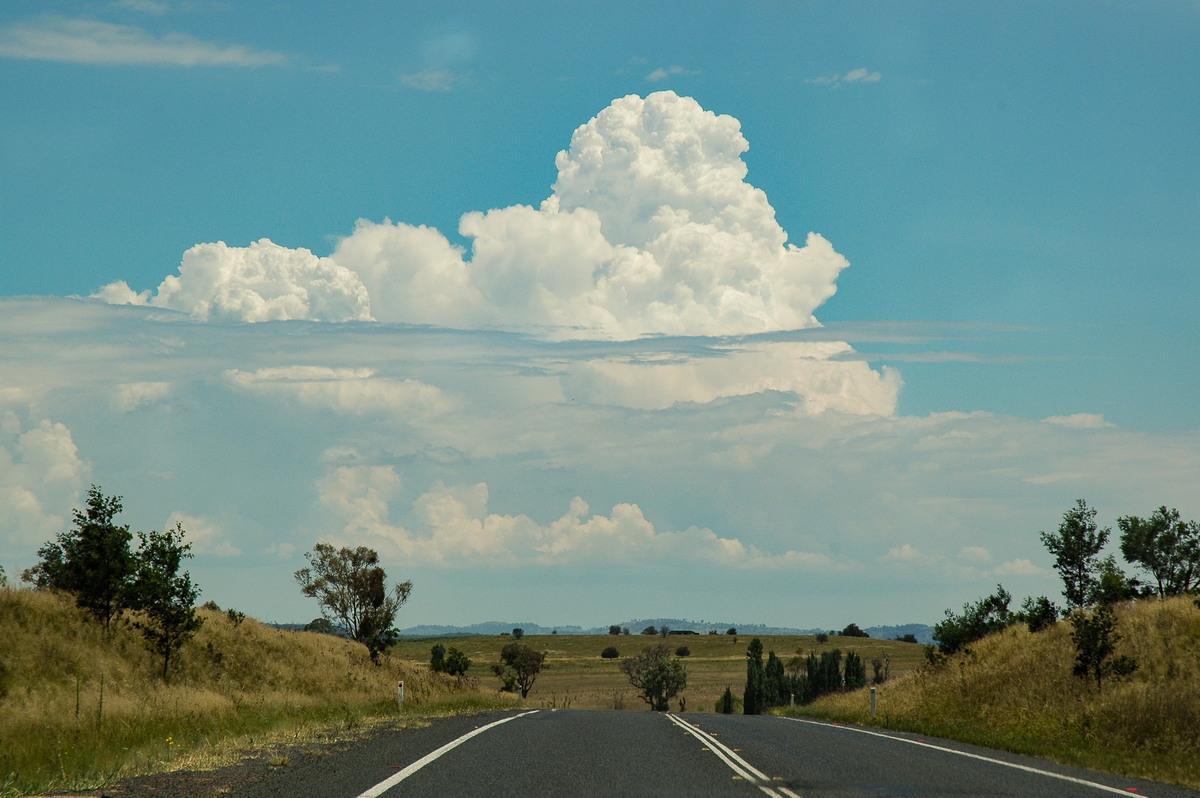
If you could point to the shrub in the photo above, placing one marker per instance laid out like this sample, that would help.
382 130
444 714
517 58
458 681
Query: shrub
455 663
822 637
610 653
728 703
650 630
437 658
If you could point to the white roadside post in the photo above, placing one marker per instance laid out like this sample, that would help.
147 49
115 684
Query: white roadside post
400 696
872 702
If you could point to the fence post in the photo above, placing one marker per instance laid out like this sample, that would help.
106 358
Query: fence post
872 702
400 696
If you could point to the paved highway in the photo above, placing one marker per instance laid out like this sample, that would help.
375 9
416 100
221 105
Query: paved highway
593 753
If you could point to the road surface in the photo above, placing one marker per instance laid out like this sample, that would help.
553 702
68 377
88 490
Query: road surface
596 753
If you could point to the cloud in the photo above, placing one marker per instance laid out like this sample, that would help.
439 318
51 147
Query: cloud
86 41
651 229
261 282
132 396
41 476
662 73
452 526
808 370
142 6
1079 421
431 80
205 535
837 80
355 391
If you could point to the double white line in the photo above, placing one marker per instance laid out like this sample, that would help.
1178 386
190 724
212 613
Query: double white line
738 765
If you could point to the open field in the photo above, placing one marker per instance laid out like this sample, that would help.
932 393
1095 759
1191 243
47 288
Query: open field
575 675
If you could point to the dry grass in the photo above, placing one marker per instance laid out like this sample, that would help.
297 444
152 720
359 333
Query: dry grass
1016 691
78 710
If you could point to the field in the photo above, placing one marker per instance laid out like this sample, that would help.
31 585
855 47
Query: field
575 676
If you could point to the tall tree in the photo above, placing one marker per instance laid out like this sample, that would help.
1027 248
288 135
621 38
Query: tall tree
1164 546
165 597
753 699
1076 547
92 561
657 674
351 589
520 668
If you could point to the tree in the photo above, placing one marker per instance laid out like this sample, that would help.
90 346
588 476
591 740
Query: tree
164 597
1075 547
456 663
92 561
725 702
1112 585
852 630
1038 613
1164 546
350 588
657 675
650 631
614 630
854 672
520 663
990 614
321 625
1095 639
518 633
610 652
437 658
754 698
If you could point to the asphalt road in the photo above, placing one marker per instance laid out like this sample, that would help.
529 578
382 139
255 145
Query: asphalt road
593 753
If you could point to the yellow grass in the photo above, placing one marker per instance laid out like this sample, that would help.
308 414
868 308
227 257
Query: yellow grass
1016 691
78 710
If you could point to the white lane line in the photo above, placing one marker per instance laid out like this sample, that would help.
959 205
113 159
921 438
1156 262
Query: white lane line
735 763
387 784
923 744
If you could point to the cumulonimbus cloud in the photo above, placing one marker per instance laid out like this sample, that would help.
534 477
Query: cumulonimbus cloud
651 229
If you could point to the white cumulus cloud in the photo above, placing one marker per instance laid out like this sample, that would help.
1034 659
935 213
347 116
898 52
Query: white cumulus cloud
261 282
347 390
452 526
41 474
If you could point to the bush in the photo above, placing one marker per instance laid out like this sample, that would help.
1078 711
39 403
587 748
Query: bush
610 653
728 703
650 630
822 637
455 662
683 651
852 630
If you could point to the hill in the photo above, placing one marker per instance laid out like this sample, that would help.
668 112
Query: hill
1016 691
78 710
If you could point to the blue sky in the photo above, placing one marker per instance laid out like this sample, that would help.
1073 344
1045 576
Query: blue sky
617 383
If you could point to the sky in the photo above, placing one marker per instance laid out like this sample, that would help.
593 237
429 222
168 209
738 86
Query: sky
795 313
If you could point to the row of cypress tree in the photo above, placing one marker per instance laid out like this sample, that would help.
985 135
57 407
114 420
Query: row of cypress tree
770 685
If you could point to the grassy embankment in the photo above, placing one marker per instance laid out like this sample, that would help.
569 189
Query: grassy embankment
78 711
1016 692
575 676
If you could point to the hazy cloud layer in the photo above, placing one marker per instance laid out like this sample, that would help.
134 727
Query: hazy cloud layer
90 41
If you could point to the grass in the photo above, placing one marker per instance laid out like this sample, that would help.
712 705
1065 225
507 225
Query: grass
1016 692
576 677
79 710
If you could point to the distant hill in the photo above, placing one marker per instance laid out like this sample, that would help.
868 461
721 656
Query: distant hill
922 632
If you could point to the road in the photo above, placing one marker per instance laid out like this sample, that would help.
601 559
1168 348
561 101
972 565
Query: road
594 753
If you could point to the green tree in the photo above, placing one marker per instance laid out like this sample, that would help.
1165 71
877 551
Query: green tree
990 614
165 597
456 663
350 588
610 652
725 702
518 633
522 664
1164 546
1112 584
852 630
650 631
437 657
92 561
1096 638
657 674
1076 547
1038 613
754 698
854 672
614 630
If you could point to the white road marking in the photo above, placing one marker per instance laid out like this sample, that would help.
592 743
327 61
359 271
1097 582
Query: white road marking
727 755
387 784
969 755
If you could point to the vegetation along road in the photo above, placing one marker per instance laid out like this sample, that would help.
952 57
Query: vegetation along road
602 753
